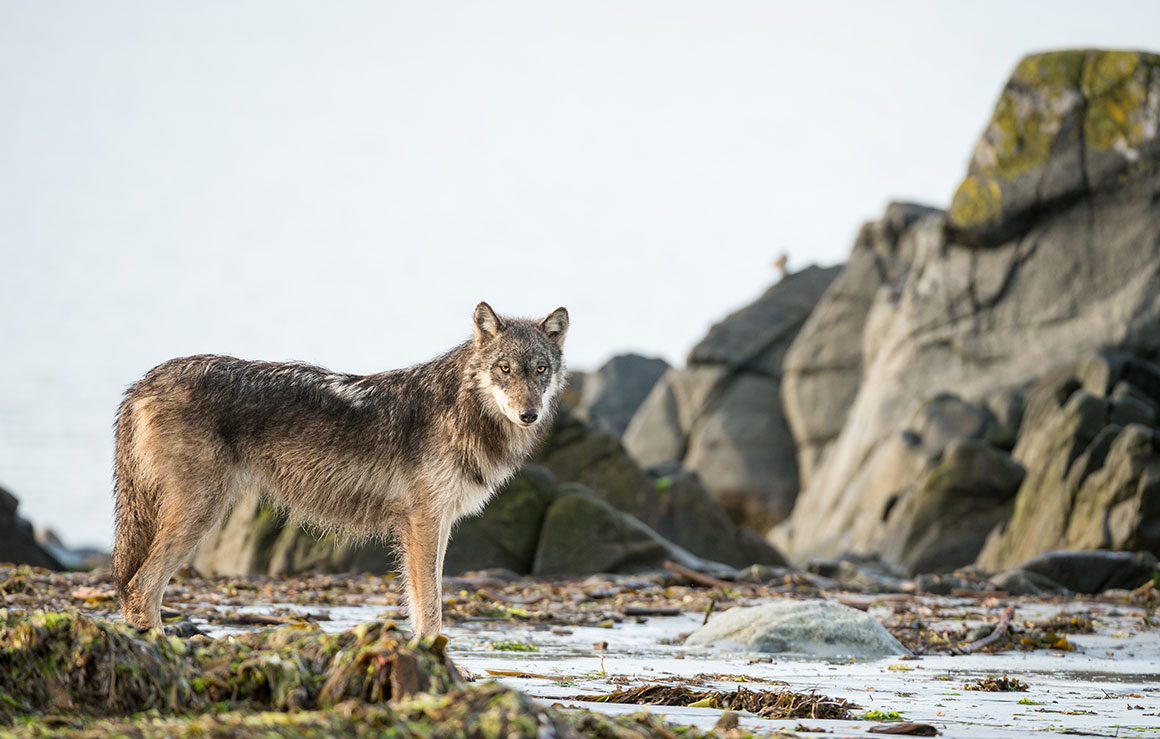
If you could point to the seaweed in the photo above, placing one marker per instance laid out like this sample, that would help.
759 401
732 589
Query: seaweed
484 710
771 704
69 663
997 684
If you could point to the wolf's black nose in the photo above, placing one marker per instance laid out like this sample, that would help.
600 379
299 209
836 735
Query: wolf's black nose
529 416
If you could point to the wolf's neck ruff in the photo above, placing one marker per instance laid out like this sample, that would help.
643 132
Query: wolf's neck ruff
402 453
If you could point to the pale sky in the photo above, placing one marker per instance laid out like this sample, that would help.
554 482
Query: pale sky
341 182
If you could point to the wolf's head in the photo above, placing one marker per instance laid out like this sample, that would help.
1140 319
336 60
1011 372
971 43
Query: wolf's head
519 367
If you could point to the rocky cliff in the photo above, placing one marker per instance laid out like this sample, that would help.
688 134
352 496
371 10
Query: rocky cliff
1050 253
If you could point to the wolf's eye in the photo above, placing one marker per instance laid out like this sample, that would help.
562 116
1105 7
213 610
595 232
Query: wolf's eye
541 369
505 368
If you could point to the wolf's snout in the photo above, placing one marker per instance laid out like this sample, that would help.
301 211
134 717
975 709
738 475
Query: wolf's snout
529 417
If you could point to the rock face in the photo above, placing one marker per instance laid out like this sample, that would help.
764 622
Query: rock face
17 541
814 628
823 366
612 394
1050 253
722 416
1093 452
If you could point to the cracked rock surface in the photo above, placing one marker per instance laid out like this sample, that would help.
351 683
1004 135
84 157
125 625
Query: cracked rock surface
1050 253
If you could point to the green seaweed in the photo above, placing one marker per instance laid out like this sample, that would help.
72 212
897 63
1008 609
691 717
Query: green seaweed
52 663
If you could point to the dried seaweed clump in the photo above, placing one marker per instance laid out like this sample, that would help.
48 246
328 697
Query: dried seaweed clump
69 663
997 684
771 704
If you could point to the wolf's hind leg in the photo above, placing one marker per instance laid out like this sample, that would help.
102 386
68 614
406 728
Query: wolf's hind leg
424 540
185 520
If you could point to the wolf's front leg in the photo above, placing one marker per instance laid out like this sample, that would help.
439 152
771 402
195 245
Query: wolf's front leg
424 542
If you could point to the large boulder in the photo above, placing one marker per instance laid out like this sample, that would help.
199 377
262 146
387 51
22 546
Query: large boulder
18 543
584 534
722 416
1068 124
612 394
1056 258
672 502
941 525
813 628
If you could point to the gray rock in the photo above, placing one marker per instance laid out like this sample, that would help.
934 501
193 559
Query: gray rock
722 417
507 532
584 534
813 628
1021 582
754 339
1118 506
18 544
1088 571
942 524
823 366
691 517
612 394
654 434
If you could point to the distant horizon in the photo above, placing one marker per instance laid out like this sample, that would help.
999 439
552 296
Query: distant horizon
342 186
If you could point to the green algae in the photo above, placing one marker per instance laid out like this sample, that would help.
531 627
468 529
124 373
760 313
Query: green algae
514 646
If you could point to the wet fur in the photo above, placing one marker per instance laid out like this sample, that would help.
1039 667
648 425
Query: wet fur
403 453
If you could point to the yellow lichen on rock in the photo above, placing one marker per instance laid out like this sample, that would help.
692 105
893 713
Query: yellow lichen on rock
1115 86
1064 105
977 201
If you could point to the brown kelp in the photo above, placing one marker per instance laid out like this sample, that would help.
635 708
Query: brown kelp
773 704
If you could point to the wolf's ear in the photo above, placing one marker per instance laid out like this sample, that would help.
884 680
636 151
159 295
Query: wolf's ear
487 324
556 326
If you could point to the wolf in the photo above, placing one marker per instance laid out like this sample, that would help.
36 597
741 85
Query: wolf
401 454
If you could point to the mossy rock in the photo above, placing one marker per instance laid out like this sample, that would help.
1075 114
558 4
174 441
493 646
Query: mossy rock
942 524
1067 123
584 534
506 533
575 452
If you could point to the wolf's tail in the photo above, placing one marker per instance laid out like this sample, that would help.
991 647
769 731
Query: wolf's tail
136 502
